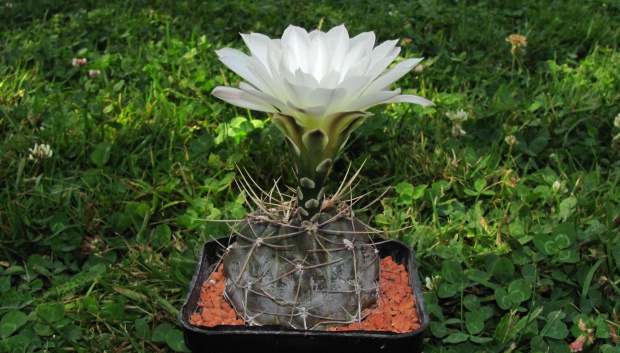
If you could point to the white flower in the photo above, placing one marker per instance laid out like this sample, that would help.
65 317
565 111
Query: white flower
40 152
617 121
316 81
433 282
511 140
458 117
559 187
457 120
315 74
94 73
78 62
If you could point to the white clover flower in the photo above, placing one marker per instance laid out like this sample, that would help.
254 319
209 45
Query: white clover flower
511 140
433 282
582 325
40 152
457 119
405 41
316 81
78 62
94 73
518 42
559 187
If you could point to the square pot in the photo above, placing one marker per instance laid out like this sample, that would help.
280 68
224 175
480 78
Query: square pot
228 338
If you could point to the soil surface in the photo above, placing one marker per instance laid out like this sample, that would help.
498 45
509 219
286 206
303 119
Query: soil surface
395 311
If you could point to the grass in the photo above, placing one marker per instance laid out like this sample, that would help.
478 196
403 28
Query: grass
99 241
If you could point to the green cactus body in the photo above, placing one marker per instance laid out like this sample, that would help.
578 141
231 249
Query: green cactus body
302 274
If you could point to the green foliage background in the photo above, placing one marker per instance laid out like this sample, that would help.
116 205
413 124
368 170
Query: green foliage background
99 242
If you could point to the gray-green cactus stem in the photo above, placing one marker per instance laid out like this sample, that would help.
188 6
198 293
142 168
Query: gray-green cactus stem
326 267
309 197
311 188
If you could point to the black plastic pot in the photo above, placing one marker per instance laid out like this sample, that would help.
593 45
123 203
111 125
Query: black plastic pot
227 338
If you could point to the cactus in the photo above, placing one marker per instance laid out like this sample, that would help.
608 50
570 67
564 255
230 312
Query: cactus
299 273
309 263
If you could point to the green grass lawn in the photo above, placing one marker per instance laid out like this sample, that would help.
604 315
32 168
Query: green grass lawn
514 214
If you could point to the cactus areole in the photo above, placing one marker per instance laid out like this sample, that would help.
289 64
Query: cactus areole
309 263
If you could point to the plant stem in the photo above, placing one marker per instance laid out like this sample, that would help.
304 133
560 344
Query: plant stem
311 183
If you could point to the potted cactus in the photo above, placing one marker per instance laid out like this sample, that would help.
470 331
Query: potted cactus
307 263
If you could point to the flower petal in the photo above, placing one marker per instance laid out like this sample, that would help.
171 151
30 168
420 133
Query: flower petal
320 57
272 85
266 97
305 79
330 80
359 48
310 111
314 33
338 46
242 99
383 49
359 68
317 111
240 64
309 118
328 98
366 40
387 78
410 98
375 68
368 100
298 40
298 95
354 85
259 45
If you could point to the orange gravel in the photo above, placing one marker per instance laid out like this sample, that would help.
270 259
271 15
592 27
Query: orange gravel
395 311
212 308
